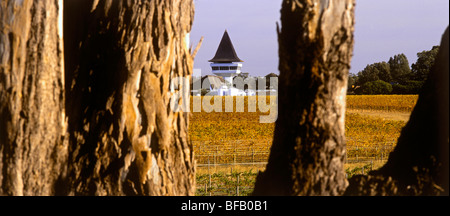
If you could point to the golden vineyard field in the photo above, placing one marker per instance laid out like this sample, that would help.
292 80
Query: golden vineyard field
399 103
238 137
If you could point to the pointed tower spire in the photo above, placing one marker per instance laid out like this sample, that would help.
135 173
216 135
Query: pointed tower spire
225 52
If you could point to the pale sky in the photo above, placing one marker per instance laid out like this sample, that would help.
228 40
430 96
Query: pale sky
383 28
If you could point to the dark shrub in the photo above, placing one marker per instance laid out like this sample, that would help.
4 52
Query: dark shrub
408 87
376 87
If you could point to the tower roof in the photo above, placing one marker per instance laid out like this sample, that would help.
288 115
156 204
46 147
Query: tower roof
225 52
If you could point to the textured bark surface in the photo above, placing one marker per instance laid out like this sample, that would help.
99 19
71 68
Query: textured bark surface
121 57
118 135
33 145
419 164
315 48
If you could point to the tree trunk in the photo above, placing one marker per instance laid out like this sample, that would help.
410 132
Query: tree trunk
33 143
121 57
315 48
119 137
419 164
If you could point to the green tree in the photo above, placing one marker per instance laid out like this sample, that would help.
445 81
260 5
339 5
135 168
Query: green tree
384 71
352 80
425 60
369 74
409 87
376 87
399 67
374 72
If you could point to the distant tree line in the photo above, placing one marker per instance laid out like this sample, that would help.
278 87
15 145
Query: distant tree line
394 76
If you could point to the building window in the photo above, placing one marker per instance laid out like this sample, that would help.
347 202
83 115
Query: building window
215 68
224 68
233 68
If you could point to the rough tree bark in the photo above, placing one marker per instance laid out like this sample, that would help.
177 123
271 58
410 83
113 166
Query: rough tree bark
33 142
118 135
120 59
419 164
315 48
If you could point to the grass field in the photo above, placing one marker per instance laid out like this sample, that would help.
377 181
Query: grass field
239 145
